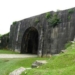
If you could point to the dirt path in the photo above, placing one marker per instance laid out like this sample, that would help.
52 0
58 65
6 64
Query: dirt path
16 55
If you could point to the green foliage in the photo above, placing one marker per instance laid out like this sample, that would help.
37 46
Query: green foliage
48 15
4 41
0 35
69 17
54 20
63 64
6 35
9 65
37 21
70 11
4 51
68 44
54 65
15 22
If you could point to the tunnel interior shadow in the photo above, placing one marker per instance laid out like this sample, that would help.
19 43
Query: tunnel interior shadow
29 43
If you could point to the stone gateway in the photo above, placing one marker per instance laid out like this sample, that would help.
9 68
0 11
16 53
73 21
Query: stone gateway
45 33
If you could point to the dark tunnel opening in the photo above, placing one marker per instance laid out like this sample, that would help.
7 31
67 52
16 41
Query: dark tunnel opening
30 41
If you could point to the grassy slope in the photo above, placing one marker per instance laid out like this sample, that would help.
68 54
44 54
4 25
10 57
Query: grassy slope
64 64
3 51
8 65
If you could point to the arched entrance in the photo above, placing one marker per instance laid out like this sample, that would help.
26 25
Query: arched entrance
30 41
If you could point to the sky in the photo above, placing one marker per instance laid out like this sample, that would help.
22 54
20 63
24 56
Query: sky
15 10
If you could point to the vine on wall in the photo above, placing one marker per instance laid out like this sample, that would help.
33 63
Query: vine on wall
53 19
15 22
70 12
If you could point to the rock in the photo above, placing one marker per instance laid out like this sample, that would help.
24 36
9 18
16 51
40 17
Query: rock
38 63
49 55
19 71
34 65
55 54
63 51
73 41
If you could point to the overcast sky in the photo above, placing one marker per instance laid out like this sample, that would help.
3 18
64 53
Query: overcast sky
15 10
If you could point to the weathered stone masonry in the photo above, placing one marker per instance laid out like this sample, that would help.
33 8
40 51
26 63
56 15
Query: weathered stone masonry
50 39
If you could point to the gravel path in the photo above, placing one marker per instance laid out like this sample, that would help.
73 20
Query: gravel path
16 55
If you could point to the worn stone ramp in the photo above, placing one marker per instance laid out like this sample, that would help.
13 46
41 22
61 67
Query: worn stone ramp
17 55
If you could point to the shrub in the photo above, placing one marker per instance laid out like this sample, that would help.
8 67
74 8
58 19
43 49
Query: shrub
54 20
0 35
48 15
70 11
69 17
15 22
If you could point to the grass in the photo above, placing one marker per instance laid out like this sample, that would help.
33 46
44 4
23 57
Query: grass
3 51
8 65
68 44
63 64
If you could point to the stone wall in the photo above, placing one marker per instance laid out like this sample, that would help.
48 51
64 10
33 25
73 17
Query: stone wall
4 41
51 39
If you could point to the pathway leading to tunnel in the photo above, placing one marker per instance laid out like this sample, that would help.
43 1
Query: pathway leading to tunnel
17 55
